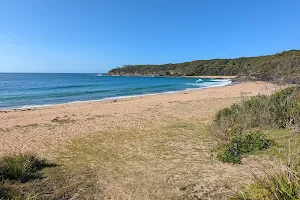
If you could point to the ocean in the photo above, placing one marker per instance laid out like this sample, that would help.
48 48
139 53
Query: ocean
24 90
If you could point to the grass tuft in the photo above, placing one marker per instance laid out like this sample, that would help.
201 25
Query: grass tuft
277 186
22 167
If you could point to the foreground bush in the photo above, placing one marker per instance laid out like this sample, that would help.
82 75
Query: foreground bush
242 144
276 186
21 167
280 181
280 110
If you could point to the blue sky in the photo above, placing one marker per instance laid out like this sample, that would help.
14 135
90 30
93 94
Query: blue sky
95 36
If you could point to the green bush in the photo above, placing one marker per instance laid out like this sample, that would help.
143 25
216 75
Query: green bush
280 110
279 181
21 167
242 144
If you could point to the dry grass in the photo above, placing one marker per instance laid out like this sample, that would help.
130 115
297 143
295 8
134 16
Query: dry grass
170 162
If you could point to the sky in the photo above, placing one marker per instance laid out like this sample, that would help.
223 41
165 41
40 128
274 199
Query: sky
95 36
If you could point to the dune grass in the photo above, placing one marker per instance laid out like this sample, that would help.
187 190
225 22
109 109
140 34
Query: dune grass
19 170
22 167
27 177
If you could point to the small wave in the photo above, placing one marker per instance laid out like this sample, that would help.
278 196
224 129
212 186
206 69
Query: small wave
214 83
199 80
100 75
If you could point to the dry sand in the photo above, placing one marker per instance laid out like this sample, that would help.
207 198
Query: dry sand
43 130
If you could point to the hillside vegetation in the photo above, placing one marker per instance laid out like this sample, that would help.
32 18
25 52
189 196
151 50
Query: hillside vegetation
283 66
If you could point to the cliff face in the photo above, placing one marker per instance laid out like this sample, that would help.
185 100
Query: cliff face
285 66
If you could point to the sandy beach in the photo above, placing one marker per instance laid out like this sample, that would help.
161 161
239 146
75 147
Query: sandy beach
160 142
43 130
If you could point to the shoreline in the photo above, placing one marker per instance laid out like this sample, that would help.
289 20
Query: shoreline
212 77
179 76
26 107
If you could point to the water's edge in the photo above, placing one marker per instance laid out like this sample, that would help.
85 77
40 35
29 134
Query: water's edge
110 98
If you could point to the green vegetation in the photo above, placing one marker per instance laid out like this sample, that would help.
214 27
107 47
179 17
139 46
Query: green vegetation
28 177
280 110
56 183
275 186
16 171
282 179
231 125
283 66
280 115
242 144
22 167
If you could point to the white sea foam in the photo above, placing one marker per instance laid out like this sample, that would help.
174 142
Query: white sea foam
212 83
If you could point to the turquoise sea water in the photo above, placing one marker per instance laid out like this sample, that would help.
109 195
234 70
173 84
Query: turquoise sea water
29 90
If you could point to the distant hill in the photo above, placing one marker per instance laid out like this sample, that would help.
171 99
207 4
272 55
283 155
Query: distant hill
283 66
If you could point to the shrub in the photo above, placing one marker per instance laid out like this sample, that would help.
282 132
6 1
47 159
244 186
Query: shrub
242 144
279 182
21 167
280 110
